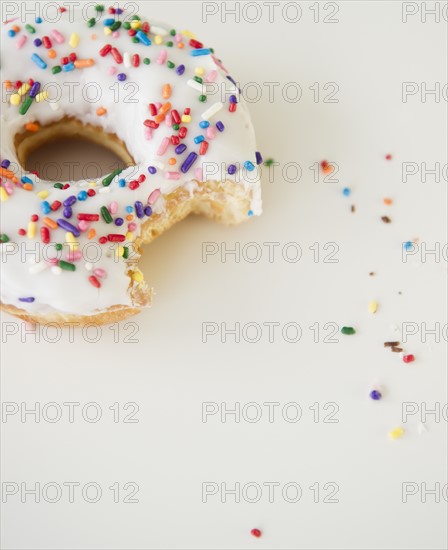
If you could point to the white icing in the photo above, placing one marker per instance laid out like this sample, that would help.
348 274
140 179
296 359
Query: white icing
71 292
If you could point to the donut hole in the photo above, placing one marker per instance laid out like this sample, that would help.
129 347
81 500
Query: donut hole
69 150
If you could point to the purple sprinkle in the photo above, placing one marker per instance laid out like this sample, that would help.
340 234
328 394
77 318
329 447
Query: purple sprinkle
148 211
220 126
119 221
37 42
231 79
139 209
180 70
231 169
180 149
233 99
121 77
34 89
68 212
70 200
375 395
188 162
152 169
68 227
258 157
28 299
118 11
5 164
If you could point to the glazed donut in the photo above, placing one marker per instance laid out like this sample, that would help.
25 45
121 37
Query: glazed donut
69 251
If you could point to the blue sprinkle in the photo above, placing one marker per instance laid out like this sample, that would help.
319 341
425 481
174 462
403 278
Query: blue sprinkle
180 70
346 191
250 212
231 169
199 139
45 207
249 166
39 61
129 209
201 51
409 245
119 221
180 149
220 126
121 77
122 182
108 22
82 195
204 124
68 67
28 299
152 170
11 33
25 179
143 38
38 20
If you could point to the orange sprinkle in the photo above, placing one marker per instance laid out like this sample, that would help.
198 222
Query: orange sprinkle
172 161
130 217
15 28
32 126
51 54
159 118
8 84
83 63
327 169
165 107
166 91
388 201
27 186
50 223
101 111
8 174
181 45
91 233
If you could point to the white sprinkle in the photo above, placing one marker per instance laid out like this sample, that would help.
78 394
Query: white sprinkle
104 190
37 268
127 59
211 111
89 266
56 270
159 30
195 85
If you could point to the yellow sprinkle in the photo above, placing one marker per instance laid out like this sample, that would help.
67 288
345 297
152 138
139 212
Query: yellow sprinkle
107 31
130 236
3 194
136 24
74 40
119 251
32 228
373 306
396 433
14 99
199 71
43 194
189 34
137 276
186 118
42 96
71 241
158 39
23 89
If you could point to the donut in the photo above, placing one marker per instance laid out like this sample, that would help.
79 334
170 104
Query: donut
157 97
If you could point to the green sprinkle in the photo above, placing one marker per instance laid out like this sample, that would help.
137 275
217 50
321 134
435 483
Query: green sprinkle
203 98
30 29
58 246
212 50
173 32
348 330
25 105
4 238
176 127
58 185
269 162
108 179
126 25
135 40
91 22
99 7
106 214
135 18
146 61
170 64
66 265
57 69
125 252
115 26
198 79
169 44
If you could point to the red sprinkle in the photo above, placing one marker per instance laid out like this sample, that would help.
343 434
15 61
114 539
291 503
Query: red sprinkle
232 107
203 148
17 84
55 205
132 32
196 44
175 116
389 157
89 217
141 178
182 132
105 50
73 57
21 232
175 140
64 61
151 124
145 27
102 240
152 109
45 234
116 238
135 60
34 218
46 42
94 281
117 56
187 111
408 358
134 185
256 533
91 192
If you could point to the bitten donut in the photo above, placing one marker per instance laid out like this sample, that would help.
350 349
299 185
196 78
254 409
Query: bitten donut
157 97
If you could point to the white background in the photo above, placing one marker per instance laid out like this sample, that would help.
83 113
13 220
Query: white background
170 372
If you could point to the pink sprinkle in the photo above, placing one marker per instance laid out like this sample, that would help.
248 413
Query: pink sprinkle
83 225
154 196
158 105
168 121
172 175
211 76
211 132
163 146
74 255
178 37
198 174
111 70
58 37
100 272
162 57
115 34
21 41
113 207
148 133
8 187
52 261
132 226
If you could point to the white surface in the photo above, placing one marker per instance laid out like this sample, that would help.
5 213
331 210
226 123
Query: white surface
169 372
